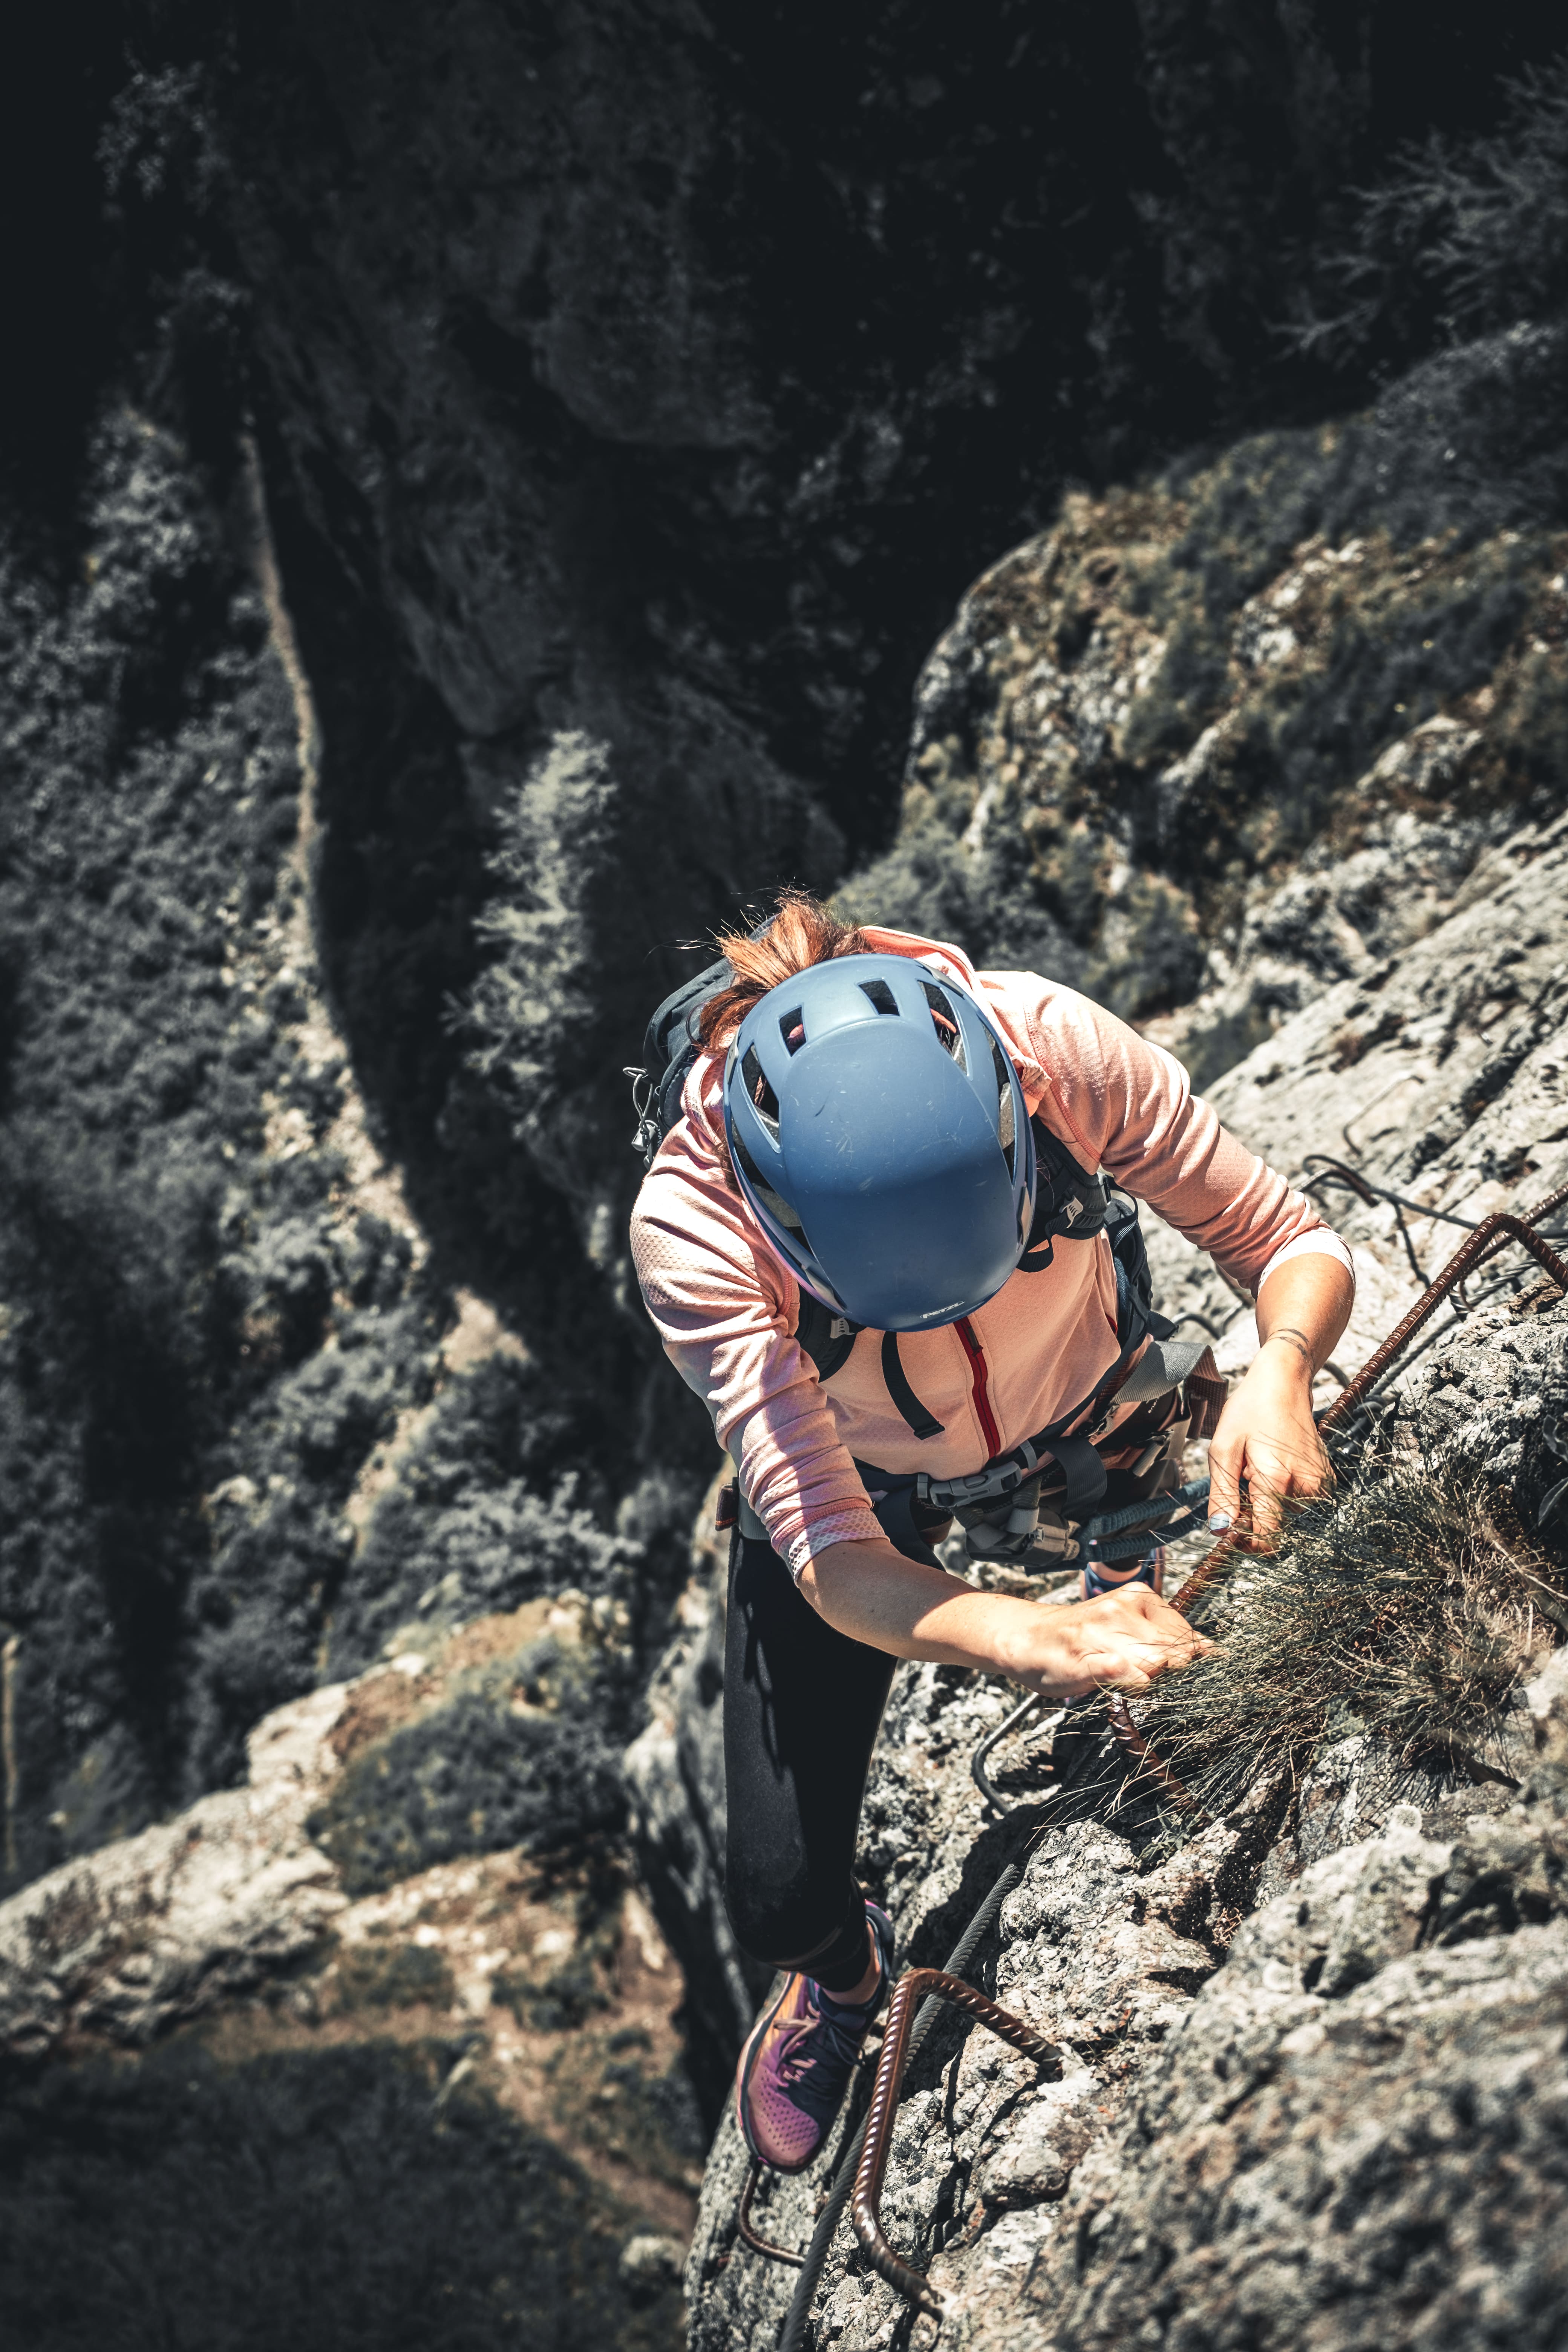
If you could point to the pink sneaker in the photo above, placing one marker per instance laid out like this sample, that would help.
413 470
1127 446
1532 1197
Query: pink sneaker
796 2065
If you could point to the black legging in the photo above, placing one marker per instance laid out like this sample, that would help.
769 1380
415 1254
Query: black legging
802 1708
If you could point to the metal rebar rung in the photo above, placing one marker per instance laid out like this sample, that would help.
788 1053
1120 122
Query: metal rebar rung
909 1990
1196 1584
760 2245
1145 1755
1484 1243
1150 1763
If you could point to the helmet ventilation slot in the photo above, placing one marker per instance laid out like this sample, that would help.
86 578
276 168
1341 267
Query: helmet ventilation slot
1005 1133
792 1029
950 1037
764 1102
881 995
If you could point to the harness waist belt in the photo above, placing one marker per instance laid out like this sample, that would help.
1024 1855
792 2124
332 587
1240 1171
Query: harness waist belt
1161 1366
1164 1365
997 1479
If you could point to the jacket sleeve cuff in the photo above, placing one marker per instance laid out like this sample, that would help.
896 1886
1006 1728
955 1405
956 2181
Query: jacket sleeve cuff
1318 1242
838 1526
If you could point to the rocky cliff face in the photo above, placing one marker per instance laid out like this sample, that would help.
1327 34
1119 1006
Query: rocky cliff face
402 1926
386 1997
1309 2048
660 374
487 523
632 394
1330 655
416 1917
1334 2120
417 1912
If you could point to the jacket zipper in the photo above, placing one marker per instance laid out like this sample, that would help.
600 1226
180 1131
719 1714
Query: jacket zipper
980 1386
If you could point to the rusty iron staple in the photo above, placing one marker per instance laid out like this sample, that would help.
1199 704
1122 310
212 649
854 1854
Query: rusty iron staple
758 2245
1146 1758
911 1989
1490 1238
1150 1764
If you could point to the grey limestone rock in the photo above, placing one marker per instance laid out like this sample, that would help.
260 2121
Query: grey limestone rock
350 1790
127 1941
1335 2121
675 1781
1437 1072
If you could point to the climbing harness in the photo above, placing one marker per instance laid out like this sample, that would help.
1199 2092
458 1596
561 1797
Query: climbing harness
1030 1508
1171 1515
863 2166
1003 1511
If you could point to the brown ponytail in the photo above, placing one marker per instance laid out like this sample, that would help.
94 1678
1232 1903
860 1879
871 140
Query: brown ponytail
802 933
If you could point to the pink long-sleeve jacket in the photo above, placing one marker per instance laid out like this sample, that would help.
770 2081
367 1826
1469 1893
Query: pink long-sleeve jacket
726 1307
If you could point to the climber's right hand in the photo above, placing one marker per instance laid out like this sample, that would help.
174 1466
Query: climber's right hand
1120 1640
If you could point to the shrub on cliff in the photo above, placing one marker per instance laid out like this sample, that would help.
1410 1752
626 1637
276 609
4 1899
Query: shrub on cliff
320 2201
536 1016
1398 1609
1460 237
169 1273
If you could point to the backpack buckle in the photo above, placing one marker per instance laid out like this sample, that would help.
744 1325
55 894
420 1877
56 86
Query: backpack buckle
647 1137
985 1485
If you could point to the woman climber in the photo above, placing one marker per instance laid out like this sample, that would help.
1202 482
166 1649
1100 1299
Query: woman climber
857 1244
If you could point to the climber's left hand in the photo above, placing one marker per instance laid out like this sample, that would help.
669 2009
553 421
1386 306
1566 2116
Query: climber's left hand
1267 1433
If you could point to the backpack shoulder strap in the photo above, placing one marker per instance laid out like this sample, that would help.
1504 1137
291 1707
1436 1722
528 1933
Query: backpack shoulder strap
669 1049
825 1336
1069 1203
1135 1312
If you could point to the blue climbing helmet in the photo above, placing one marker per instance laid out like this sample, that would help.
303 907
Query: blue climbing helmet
879 1136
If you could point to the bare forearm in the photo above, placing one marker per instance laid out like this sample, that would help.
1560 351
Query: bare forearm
1304 1307
870 1591
1267 1433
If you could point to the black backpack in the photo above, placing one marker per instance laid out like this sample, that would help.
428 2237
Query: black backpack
669 1049
1070 1204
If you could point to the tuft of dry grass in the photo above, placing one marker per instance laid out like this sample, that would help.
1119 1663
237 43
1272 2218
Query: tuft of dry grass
1408 1609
